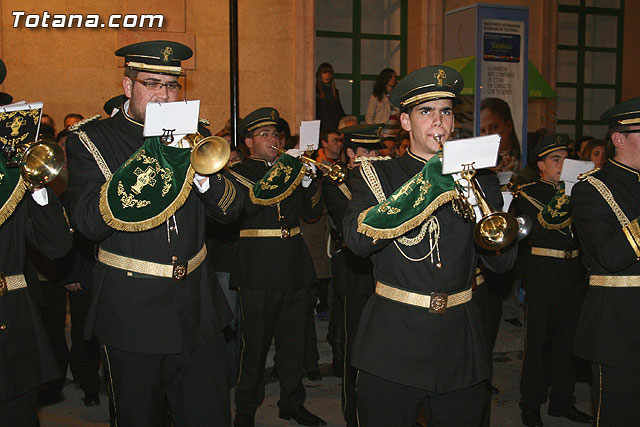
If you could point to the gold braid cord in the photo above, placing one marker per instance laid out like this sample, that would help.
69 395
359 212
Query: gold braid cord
630 228
241 179
91 148
9 206
345 190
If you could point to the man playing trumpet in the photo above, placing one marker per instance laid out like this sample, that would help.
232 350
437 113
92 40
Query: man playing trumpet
420 344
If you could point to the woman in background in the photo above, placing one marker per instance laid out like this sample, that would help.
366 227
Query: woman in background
595 151
495 118
328 107
380 109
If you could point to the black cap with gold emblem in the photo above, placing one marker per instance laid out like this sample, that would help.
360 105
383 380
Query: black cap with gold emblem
265 116
548 145
157 56
364 135
623 114
427 84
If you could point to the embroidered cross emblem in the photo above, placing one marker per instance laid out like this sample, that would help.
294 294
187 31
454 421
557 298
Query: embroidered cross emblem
146 177
166 53
15 125
440 75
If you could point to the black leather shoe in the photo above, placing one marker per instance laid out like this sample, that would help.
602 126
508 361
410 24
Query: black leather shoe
531 417
571 413
243 420
314 375
303 417
91 399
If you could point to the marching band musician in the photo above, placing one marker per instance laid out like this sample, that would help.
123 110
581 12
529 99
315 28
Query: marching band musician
26 358
353 275
420 343
157 310
553 279
274 271
606 206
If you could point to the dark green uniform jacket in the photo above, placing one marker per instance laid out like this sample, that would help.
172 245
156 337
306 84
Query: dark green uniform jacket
609 327
408 344
272 263
26 359
129 311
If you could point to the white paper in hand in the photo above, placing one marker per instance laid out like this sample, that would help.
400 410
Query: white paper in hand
179 117
570 171
481 151
309 135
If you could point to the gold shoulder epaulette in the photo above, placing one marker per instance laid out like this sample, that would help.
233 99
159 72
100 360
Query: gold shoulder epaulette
77 125
526 184
585 175
360 159
204 122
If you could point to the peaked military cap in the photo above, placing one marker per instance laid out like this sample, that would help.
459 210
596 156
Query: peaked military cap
3 71
548 145
5 98
265 116
427 84
364 135
113 103
157 56
623 114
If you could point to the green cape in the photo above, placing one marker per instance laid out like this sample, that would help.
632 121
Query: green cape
556 215
279 182
409 205
148 188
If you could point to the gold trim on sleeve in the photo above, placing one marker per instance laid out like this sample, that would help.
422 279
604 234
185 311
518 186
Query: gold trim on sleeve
93 150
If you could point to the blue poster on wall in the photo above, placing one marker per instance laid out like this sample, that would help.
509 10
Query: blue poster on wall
501 47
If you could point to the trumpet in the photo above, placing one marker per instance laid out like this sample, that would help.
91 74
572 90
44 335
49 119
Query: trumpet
495 230
208 154
39 161
336 173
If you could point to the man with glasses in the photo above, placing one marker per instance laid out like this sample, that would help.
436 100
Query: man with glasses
606 207
273 272
156 310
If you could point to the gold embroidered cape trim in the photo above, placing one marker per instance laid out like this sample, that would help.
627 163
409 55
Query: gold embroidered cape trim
362 159
12 202
391 233
281 196
632 233
241 179
550 226
93 150
149 223
345 190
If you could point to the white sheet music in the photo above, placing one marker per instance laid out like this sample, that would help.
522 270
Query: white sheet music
482 151
570 171
181 117
309 135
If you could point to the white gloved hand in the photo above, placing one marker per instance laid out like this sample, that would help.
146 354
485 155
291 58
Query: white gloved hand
306 181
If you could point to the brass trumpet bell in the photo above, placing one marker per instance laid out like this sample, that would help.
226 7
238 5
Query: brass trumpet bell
336 173
42 161
208 154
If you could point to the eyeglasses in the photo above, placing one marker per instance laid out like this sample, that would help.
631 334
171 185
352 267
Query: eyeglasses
265 134
156 86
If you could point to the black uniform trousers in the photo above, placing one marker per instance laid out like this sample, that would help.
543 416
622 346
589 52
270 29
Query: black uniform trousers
267 314
615 392
84 356
551 325
386 403
195 385
353 306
